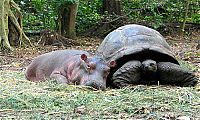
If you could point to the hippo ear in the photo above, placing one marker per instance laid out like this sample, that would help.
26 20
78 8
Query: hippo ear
84 57
112 63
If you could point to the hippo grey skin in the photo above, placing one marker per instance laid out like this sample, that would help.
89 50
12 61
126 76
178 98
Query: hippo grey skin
70 67
143 57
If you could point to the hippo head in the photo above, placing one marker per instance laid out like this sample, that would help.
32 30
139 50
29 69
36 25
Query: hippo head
95 71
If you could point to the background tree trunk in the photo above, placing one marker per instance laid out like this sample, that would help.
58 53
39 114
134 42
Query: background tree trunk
182 28
67 20
114 10
72 21
4 8
16 26
112 6
13 35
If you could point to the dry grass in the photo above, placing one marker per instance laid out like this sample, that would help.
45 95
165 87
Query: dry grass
21 99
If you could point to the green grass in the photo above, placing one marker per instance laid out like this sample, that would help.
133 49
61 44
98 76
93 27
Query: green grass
22 99
187 66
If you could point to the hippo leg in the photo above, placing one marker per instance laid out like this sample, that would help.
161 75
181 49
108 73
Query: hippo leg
170 73
59 77
129 73
39 75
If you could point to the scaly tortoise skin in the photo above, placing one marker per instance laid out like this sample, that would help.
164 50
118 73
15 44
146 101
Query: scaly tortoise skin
143 57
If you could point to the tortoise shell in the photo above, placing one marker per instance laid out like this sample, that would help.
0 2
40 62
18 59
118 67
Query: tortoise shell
133 41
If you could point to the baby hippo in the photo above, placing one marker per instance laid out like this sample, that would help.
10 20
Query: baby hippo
70 67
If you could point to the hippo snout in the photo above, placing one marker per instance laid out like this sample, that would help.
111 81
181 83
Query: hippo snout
96 85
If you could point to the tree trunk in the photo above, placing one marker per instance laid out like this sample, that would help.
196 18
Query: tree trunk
67 20
72 21
5 13
112 6
4 8
182 29
115 17
13 35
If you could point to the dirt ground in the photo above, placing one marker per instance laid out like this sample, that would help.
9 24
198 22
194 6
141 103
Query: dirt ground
185 49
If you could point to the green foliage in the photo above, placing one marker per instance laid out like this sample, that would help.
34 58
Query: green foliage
88 14
42 14
195 18
157 13
187 66
57 4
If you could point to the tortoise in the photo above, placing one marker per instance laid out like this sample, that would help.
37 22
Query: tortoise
142 56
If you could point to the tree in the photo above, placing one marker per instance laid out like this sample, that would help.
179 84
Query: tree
115 17
67 19
112 6
6 16
182 29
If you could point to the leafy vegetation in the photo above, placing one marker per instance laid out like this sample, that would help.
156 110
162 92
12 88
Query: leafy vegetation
159 14
21 99
43 13
88 14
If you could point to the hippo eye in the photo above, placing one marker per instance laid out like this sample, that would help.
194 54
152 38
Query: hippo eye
88 66
91 66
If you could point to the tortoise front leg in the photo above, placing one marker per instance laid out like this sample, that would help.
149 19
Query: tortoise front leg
170 73
129 73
